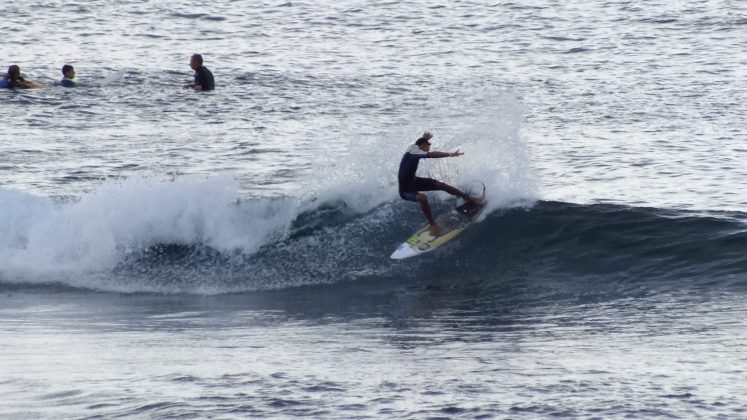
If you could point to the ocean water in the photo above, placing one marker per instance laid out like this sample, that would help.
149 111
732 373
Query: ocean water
172 254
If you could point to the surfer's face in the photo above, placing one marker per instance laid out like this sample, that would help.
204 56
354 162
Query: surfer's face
425 146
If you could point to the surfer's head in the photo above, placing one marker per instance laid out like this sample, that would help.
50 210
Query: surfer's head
68 71
423 143
195 61
14 72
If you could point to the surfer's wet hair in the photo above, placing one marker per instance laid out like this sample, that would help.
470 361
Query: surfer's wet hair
14 72
197 58
66 68
420 141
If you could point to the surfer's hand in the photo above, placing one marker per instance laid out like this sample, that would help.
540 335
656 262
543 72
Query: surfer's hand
455 154
427 135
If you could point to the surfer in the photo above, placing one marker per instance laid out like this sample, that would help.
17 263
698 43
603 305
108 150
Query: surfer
68 76
203 77
411 185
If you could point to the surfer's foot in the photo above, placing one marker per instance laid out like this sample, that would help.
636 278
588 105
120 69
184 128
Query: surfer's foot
435 231
476 200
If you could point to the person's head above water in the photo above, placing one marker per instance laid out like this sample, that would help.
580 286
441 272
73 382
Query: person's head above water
14 72
68 76
68 71
195 61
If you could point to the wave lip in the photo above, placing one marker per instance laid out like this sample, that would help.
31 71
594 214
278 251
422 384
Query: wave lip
42 236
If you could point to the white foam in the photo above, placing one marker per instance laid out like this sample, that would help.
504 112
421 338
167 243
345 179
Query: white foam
95 232
489 135
112 78
496 154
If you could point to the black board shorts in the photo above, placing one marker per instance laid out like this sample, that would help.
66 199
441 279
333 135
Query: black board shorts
418 184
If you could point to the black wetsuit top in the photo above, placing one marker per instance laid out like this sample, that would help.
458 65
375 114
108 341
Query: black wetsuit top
408 167
204 78
65 82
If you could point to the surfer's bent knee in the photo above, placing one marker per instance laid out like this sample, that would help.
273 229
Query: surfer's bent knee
409 195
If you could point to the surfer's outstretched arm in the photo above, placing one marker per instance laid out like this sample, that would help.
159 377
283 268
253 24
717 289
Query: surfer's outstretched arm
444 154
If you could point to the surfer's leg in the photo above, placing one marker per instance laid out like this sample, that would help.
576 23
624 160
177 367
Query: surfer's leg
451 190
457 192
423 200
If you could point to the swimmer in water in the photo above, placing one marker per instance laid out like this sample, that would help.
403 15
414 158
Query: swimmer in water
203 76
14 80
68 76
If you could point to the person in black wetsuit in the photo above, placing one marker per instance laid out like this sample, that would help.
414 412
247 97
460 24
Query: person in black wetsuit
203 77
68 76
411 185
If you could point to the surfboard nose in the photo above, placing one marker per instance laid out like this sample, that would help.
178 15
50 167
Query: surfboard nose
402 252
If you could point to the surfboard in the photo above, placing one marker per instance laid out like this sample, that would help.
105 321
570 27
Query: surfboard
452 223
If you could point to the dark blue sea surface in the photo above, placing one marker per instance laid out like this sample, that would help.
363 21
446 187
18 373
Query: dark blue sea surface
172 254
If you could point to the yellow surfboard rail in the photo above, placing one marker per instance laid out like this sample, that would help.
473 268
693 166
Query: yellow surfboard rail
452 224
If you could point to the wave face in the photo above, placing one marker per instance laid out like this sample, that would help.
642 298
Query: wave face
192 236
567 250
